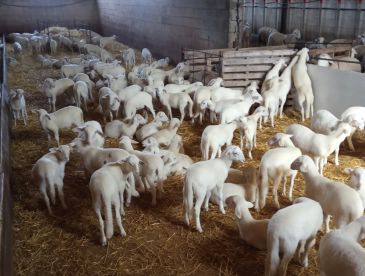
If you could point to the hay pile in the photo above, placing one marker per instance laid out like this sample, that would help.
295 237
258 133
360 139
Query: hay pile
157 241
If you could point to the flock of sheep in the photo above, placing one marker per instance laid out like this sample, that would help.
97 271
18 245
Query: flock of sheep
96 80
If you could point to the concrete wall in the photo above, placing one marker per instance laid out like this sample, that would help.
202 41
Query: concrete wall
329 18
165 26
26 16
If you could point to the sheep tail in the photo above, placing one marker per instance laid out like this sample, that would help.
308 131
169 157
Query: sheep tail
187 200
108 219
272 257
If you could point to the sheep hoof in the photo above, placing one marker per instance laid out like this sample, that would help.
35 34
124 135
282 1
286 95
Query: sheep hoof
103 242
199 229
123 233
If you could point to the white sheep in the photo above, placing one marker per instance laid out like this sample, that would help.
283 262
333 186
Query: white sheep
53 46
354 115
129 58
106 56
325 60
116 83
216 136
48 173
271 98
303 84
357 181
81 94
107 186
186 88
90 84
179 101
128 92
17 50
202 177
324 122
290 230
152 127
104 41
53 88
165 136
274 166
340 253
65 42
252 231
67 117
92 49
274 72
246 178
113 68
337 199
18 105
139 101
161 63
146 56
240 109
91 132
216 108
116 128
154 86
317 145
109 103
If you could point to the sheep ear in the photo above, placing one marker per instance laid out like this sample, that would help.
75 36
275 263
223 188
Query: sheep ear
100 133
77 129
249 205
348 170
47 116
134 142
72 145
238 212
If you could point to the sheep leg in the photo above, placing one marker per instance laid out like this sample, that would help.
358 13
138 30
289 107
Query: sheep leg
262 192
326 222
260 122
304 255
272 114
275 187
321 165
154 195
283 192
349 141
220 198
249 146
292 178
281 109
57 137
59 186
182 112
25 116
45 196
337 151
121 203
220 151
316 162
214 152
206 201
101 224
54 103
117 209
241 138
198 203
287 256
169 111
14 116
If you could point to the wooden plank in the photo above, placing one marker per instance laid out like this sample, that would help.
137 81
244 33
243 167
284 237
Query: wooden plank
202 60
236 83
256 60
246 68
244 76
331 50
258 53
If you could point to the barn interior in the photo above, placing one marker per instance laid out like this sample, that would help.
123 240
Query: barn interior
236 42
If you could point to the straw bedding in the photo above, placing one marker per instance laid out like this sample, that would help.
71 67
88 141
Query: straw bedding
157 242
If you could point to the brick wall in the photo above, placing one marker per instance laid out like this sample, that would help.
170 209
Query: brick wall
165 26
26 16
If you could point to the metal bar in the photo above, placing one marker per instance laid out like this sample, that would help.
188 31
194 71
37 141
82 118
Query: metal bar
253 16
304 17
320 19
338 19
264 12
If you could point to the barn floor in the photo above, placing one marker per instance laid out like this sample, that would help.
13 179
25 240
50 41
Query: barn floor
157 242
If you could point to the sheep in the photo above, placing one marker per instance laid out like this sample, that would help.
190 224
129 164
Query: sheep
152 172
128 92
116 84
179 101
229 189
104 41
264 34
92 49
354 115
276 38
49 62
246 178
216 108
53 46
161 63
357 181
303 84
153 86
70 70
274 166
81 92
216 136
202 177
246 35
106 56
319 146
165 136
48 173
274 72
340 253
337 199
324 122
90 84
116 128
17 50
53 88
292 229
325 60
107 186
109 103
249 128
113 68
241 108
36 44
152 127
18 105
129 58
66 117
91 132
65 42
186 88
146 56
252 231
140 101
271 99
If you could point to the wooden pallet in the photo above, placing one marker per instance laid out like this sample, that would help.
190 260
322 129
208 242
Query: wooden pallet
240 68
332 51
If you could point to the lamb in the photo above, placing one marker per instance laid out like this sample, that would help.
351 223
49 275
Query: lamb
65 42
109 103
92 49
152 127
246 178
202 177
216 108
18 105
357 181
53 46
340 252
116 128
128 92
274 72
264 34
90 84
216 136
81 93
223 93
107 186
113 68
337 199
179 101
275 165
129 58
319 146
104 41
161 63
140 101
249 128
154 86
165 136
53 88
324 122
146 56
276 38
325 60
292 229
116 84
67 117
106 56
252 231
91 132
17 50
48 173
241 108
186 88
303 84
271 99
355 115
